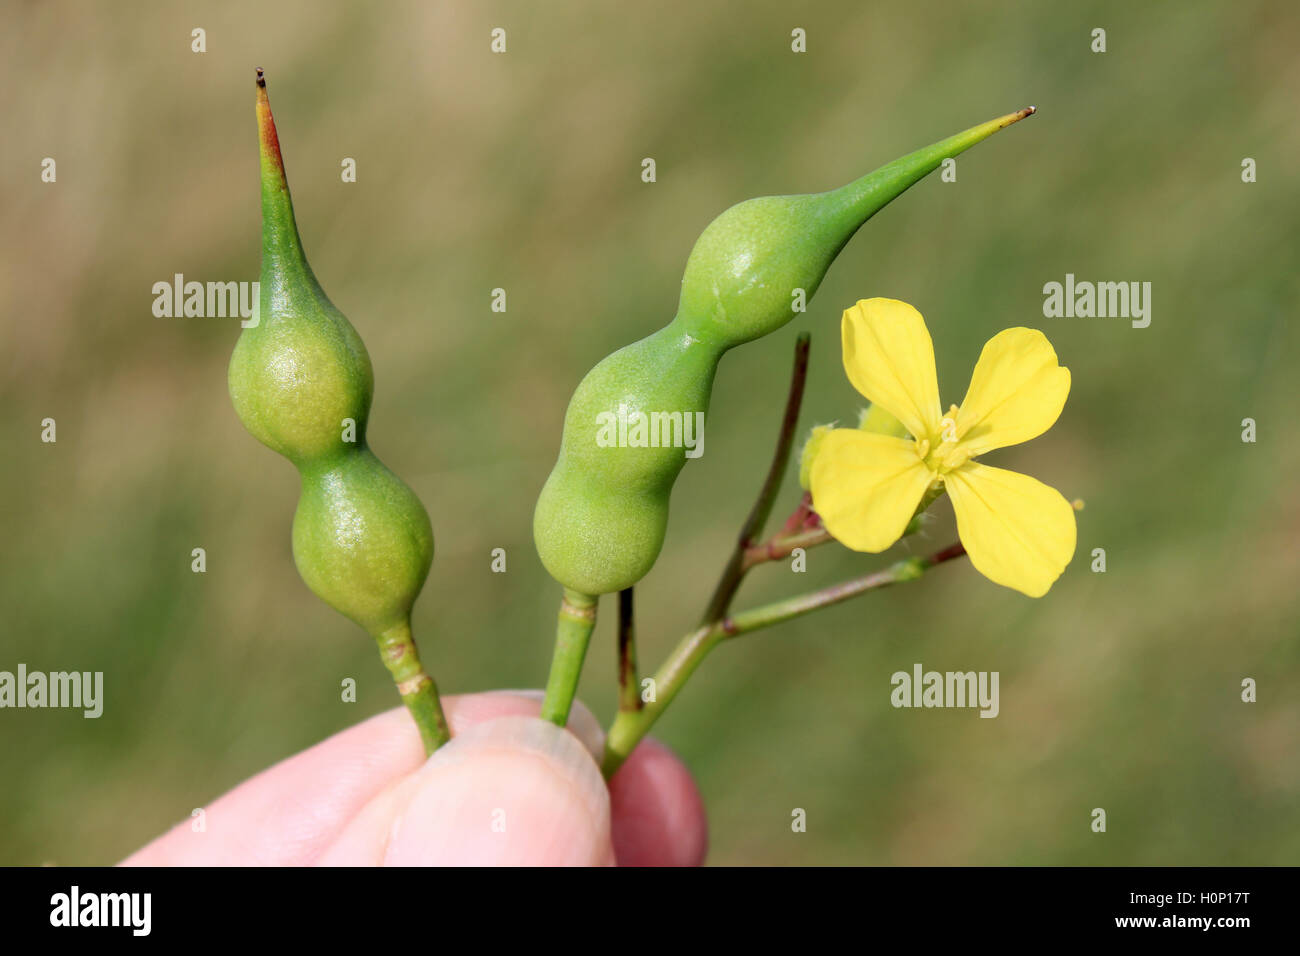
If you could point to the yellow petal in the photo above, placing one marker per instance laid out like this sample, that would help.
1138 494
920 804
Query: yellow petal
889 358
1016 393
866 487
1018 531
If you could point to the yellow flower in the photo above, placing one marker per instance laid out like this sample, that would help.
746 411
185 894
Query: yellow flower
866 485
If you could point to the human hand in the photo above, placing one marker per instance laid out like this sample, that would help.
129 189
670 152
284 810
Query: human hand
510 789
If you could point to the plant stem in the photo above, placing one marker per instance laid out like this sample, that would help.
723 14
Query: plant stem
629 691
573 629
798 534
782 546
735 570
418 691
630 726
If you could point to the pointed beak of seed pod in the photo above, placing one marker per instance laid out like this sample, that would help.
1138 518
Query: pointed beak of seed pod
271 159
280 241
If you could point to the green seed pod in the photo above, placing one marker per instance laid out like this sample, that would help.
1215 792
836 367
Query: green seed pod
362 540
601 517
301 382
600 520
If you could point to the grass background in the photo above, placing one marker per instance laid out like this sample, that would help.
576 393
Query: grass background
1119 690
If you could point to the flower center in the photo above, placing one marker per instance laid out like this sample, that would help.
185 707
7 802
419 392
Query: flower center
943 453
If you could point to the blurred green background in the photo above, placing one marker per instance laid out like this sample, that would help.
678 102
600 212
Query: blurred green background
522 171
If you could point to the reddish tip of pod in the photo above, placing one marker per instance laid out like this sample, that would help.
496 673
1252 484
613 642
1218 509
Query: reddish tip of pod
266 125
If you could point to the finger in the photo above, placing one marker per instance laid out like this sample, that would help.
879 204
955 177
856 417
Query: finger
657 810
287 815
514 791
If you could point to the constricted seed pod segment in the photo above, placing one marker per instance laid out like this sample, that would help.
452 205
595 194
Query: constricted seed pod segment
301 382
600 520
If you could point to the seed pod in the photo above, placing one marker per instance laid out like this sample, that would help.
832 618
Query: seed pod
600 520
301 382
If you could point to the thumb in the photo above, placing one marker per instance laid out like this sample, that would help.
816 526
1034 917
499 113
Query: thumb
512 791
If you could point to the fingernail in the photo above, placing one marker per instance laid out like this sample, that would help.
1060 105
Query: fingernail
516 790
531 693
582 722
